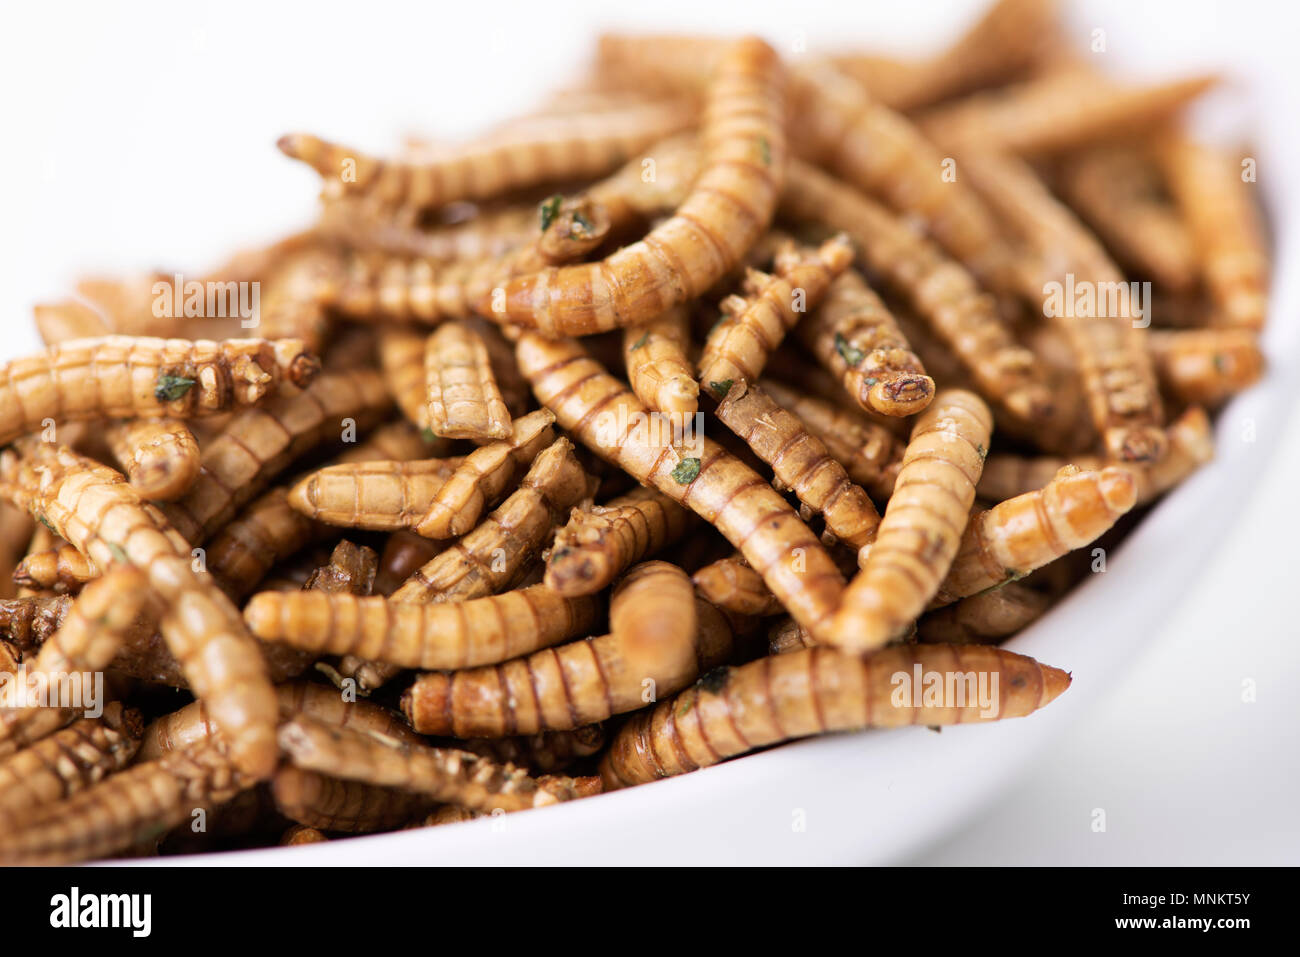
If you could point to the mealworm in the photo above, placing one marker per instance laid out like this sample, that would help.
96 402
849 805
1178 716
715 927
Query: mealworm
1015 537
29 622
985 618
658 367
1212 193
67 762
60 569
404 554
63 321
444 775
351 807
355 223
729 206
259 442
922 526
160 456
597 409
855 337
376 495
463 399
597 543
870 454
787 635
734 710
737 348
299 834
401 356
569 146
492 555
650 650
544 752
733 586
443 635
482 476
93 508
293 304
126 809
1058 110
1206 366
943 293
1108 343
800 462
15 533
127 377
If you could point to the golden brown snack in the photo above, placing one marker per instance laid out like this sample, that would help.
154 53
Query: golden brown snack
268 530
787 635
658 365
544 753
733 586
753 325
401 356
725 213
1021 534
986 618
351 807
29 622
94 509
444 635
922 527
69 319
800 462
733 710
160 456
60 569
377 495
67 762
597 409
462 395
302 834
1206 366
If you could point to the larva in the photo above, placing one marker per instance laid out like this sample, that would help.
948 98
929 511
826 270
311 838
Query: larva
733 710
401 356
1206 366
605 416
463 399
29 622
376 495
60 569
753 325
15 533
800 462
599 542
733 586
351 807
545 752
69 319
786 636
159 456
1021 534
922 526
984 618
658 367
727 209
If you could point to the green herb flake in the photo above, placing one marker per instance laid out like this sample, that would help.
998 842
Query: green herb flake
720 389
119 553
686 471
1012 575
548 210
765 150
870 381
847 352
983 452
1220 363
426 433
47 523
640 342
714 681
580 228
172 387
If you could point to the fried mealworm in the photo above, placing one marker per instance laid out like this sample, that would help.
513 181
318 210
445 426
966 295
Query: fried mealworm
259 442
160 456
60 569
1109 343
943 293
727 209
463 399
658 367
734 710
1206 366
401 356
479 480
800 462
442 635
754 324
985 618
787 635
870 454
651 650
299 834
15 533
597 543
733 586
1021 534
1213 196
376 495
293 303
93 508
444 775
1057 111
127 377
543 753
922 527
67 762
597 409
491 556
29 622
85 642
128 808
855 337
355 223
63 321
1117 190
351 807
569 146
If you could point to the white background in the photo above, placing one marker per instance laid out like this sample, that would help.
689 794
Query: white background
143 135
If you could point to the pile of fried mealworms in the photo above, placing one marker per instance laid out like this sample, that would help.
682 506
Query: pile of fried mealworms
691 413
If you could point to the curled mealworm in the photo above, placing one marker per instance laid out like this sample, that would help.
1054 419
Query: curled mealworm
733 710
464 401
658 367
985 618
1206 366
352 807
60 569
731 202
160 456
922 527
